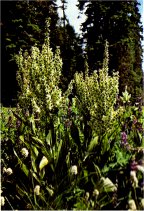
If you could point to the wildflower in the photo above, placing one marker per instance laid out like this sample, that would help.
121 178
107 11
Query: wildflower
95 193
124 140
4 169
74 170
132 205
134 121
69 111
9 171
124 137
51 192
134 165
142 203
134 178
140 168
37 190
18 123
108 184
87 196
43 163
2 201
24 152
27 113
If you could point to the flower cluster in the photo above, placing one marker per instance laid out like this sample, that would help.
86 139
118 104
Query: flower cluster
8 171
74 170
97 94
38 77
135 167
124 141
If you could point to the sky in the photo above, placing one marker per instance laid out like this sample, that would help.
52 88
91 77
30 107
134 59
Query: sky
72 14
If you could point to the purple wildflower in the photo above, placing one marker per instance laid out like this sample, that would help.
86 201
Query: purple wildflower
134 165
124 137
69 111
134 121
18 123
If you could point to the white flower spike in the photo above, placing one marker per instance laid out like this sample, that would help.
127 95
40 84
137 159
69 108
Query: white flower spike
74 170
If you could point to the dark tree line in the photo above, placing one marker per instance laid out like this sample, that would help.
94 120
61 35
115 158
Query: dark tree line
118 22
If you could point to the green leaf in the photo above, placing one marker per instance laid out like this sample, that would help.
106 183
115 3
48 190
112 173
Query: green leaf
21 138
37 140
25 169
22 165
93 143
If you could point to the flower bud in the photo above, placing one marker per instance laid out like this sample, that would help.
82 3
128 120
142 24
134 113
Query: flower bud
142 203
132 204
134 178
140 168
9 171
95 193
74 170
2 201
87 196
4 169
37 190
24 152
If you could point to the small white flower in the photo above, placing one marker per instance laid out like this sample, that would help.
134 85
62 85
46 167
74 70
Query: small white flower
2 201
87 196
140 168
142 203
4 169
24 152
132 204
74 170
134 178
108 185
9 171
37 190
51 192
95 193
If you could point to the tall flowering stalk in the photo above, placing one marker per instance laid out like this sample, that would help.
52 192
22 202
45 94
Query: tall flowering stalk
97 94
38 77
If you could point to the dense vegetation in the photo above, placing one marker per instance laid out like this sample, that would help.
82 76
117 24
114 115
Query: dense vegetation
74 139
